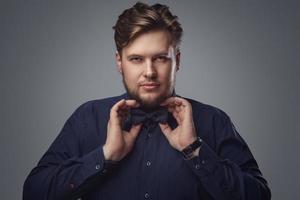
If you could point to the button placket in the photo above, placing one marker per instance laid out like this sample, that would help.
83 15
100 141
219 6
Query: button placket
148 157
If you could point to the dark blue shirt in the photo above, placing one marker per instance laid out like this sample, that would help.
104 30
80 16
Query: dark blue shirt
74 165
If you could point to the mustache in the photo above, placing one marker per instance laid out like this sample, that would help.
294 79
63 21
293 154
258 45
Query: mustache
149 82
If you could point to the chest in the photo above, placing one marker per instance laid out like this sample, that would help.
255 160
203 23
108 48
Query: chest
152 170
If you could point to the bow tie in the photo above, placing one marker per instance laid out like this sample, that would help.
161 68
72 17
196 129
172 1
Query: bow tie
138 115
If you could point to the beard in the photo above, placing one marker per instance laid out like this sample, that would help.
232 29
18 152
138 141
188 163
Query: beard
146 104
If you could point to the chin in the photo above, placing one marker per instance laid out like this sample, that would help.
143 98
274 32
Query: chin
150 101
147 99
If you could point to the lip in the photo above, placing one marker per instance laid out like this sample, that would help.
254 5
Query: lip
149 86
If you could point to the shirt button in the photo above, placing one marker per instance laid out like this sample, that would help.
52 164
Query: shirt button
149 135
203 162
72 185
148 163
147 196
97 167
197 166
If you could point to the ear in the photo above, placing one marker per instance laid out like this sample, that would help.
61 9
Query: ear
119 61
177 59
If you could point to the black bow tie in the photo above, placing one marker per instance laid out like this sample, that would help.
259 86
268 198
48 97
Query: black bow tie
138 115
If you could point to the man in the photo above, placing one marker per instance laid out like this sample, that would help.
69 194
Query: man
148 143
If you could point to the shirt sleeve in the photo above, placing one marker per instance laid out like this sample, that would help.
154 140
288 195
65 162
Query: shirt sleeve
64 172
228 170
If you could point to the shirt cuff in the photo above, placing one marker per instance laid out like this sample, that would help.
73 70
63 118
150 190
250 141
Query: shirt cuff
95 163
205 163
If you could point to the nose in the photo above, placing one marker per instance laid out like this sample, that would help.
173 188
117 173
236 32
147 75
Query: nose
150 71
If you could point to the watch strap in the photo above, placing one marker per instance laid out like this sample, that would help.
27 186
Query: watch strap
188 151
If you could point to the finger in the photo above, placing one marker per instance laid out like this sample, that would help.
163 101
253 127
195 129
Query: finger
125 108
173 101
183 102
134 130
114 112
166 129
178 108
131 103
171 109
177 117
179 104
131 136
120 109
168 101
123 104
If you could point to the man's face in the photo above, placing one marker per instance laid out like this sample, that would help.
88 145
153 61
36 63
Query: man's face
148 66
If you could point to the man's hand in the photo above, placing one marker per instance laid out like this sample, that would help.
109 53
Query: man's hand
185 133
118 142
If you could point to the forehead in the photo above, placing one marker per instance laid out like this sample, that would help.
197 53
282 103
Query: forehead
149 43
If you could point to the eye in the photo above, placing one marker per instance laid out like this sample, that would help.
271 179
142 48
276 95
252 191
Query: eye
161 59
136 59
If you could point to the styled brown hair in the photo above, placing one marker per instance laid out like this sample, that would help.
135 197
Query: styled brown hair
142 18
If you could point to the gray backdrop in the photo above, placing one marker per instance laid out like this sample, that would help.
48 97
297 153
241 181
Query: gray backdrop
241 56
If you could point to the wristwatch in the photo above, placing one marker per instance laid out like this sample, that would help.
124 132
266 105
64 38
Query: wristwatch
188 151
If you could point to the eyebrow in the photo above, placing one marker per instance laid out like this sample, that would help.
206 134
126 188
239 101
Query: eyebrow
155 55
133 55
162 54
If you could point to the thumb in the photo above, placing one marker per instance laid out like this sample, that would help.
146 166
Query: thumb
133 133
166 129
